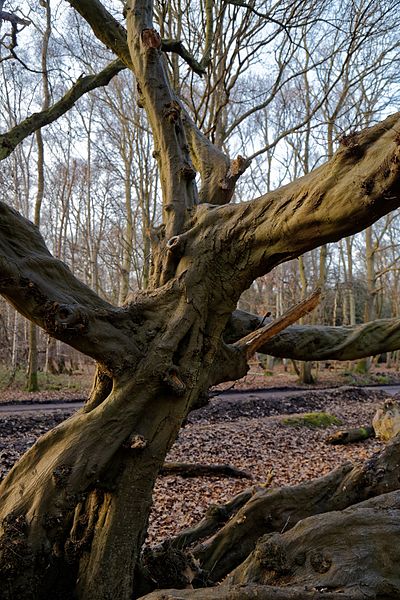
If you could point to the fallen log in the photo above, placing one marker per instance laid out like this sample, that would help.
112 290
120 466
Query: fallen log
351 436
355 549
202 470
278 510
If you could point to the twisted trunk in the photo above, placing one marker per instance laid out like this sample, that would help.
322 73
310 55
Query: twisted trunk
74 510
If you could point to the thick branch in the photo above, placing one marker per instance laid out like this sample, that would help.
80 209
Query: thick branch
13 18
309 342
281 508
219 175
105 27
177 47
10 140
171 150
216 515
356 187
45 291
252 342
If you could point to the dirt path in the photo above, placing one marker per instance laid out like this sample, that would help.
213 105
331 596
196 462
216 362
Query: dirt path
231 400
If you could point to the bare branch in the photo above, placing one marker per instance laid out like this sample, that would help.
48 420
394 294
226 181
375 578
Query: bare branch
251 343
318 342
177 47
10 140
13 18
360 184
213 165
218 174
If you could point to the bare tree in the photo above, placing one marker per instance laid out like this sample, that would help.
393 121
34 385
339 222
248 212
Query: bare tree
74 509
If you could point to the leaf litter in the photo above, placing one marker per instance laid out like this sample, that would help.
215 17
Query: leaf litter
247 432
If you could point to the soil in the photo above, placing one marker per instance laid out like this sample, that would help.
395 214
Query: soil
246 431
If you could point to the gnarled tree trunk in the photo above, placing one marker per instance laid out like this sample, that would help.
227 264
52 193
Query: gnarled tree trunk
74 510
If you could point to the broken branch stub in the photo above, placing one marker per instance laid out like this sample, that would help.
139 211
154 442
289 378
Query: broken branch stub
254 340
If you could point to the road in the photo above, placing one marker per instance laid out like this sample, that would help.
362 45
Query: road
266 393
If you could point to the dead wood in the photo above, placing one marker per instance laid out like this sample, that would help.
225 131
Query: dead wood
353 550
203 470
255 340
280 509
351 436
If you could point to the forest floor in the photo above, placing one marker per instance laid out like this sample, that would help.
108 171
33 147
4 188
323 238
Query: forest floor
248 432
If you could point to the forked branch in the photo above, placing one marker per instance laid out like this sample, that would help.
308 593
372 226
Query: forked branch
255 340
218 173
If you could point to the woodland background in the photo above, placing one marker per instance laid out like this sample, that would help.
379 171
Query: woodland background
282 96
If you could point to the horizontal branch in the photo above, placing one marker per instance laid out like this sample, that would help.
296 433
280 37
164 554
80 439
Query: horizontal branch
252 342
360 184
10 140
316 342
215 516
177 47
13 18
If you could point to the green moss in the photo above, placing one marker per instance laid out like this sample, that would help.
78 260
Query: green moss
382 379
313 419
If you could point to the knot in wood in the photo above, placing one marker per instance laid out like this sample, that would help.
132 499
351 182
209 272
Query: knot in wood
271 555
138 442
173 380
350 143
65 318
172 111
187 172
174 244
320 562
61 474
237 166
368 185
349 140
151 38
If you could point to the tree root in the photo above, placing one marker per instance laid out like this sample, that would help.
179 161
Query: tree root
339 553
280 509
353 549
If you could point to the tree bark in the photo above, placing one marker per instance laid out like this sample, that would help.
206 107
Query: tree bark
75 508
280 509
351 436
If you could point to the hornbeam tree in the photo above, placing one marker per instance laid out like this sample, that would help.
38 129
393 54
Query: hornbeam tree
74 509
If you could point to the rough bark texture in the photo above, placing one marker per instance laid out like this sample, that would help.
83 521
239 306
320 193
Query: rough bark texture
74 510
354 549
280 509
